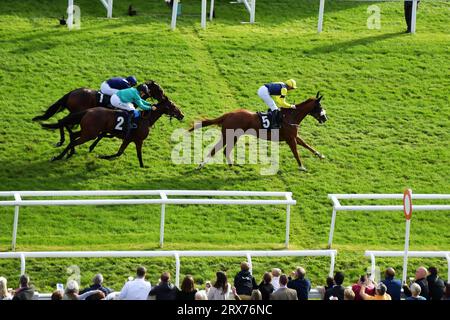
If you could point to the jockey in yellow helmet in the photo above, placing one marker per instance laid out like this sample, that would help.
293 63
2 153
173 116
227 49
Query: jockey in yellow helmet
277 90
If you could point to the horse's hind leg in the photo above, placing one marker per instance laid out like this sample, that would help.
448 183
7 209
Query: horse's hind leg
61 136
100 137
219 145
92 146
229 148
71 146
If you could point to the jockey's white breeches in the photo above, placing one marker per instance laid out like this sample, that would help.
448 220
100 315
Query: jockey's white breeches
106 89
117 103
264 94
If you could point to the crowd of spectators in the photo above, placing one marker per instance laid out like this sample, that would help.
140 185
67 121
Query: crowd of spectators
275 285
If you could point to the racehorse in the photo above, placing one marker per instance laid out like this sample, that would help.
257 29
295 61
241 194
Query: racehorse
242 120
97 121
83 98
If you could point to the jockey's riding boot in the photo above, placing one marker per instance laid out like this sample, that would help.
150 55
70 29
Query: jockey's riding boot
129 124
275 119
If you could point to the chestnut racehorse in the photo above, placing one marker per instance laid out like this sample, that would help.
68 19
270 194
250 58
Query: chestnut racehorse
243 120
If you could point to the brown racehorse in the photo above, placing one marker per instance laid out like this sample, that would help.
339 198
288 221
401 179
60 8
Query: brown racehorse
83 98
96 121
243 120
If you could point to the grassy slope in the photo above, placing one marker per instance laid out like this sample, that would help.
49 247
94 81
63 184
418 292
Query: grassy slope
386 94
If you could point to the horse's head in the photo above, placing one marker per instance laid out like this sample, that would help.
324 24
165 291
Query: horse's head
317 111
155 91
166 106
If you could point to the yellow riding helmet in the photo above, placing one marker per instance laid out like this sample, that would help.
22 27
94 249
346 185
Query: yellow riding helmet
291 83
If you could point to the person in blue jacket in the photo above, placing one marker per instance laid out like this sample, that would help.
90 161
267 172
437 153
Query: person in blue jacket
111 86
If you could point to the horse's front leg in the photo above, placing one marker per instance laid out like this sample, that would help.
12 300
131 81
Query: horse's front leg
122 148
293 145
138 144
307 146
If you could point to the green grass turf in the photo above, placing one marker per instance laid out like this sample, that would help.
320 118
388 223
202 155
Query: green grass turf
386 94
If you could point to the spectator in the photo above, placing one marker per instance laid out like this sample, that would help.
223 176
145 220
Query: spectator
420 279
349 294
283 292
415 292
221 290
97 284
98 295
380 293
300 284
276 278
266 287
187 291
201 295
370 287
164 290
256 295
207 286
4 293
72 292
137 289
337 291
447 292
436 286
329 285
25 292
408 13
57 295
245 282
394 286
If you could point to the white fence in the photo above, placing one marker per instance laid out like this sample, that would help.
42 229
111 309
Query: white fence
338 207
415 254
108 4
175 254
413 14
163 200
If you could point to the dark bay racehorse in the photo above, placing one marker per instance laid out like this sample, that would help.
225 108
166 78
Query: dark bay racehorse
97 121
243 120
83 98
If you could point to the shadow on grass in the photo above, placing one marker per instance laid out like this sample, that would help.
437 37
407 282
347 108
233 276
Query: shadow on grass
345 45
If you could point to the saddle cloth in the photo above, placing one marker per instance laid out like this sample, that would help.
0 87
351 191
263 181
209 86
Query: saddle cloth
121 121
103 100
266 120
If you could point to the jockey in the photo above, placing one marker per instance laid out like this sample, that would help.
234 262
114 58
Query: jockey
279 90
111 86
124 100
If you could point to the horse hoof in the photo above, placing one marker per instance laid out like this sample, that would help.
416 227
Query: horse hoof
319 155
303 169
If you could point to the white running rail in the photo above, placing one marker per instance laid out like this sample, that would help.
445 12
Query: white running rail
338 207
175 254
163 200
415 254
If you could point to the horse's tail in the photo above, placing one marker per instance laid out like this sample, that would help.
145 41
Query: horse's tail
207 122
70 120
54 108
